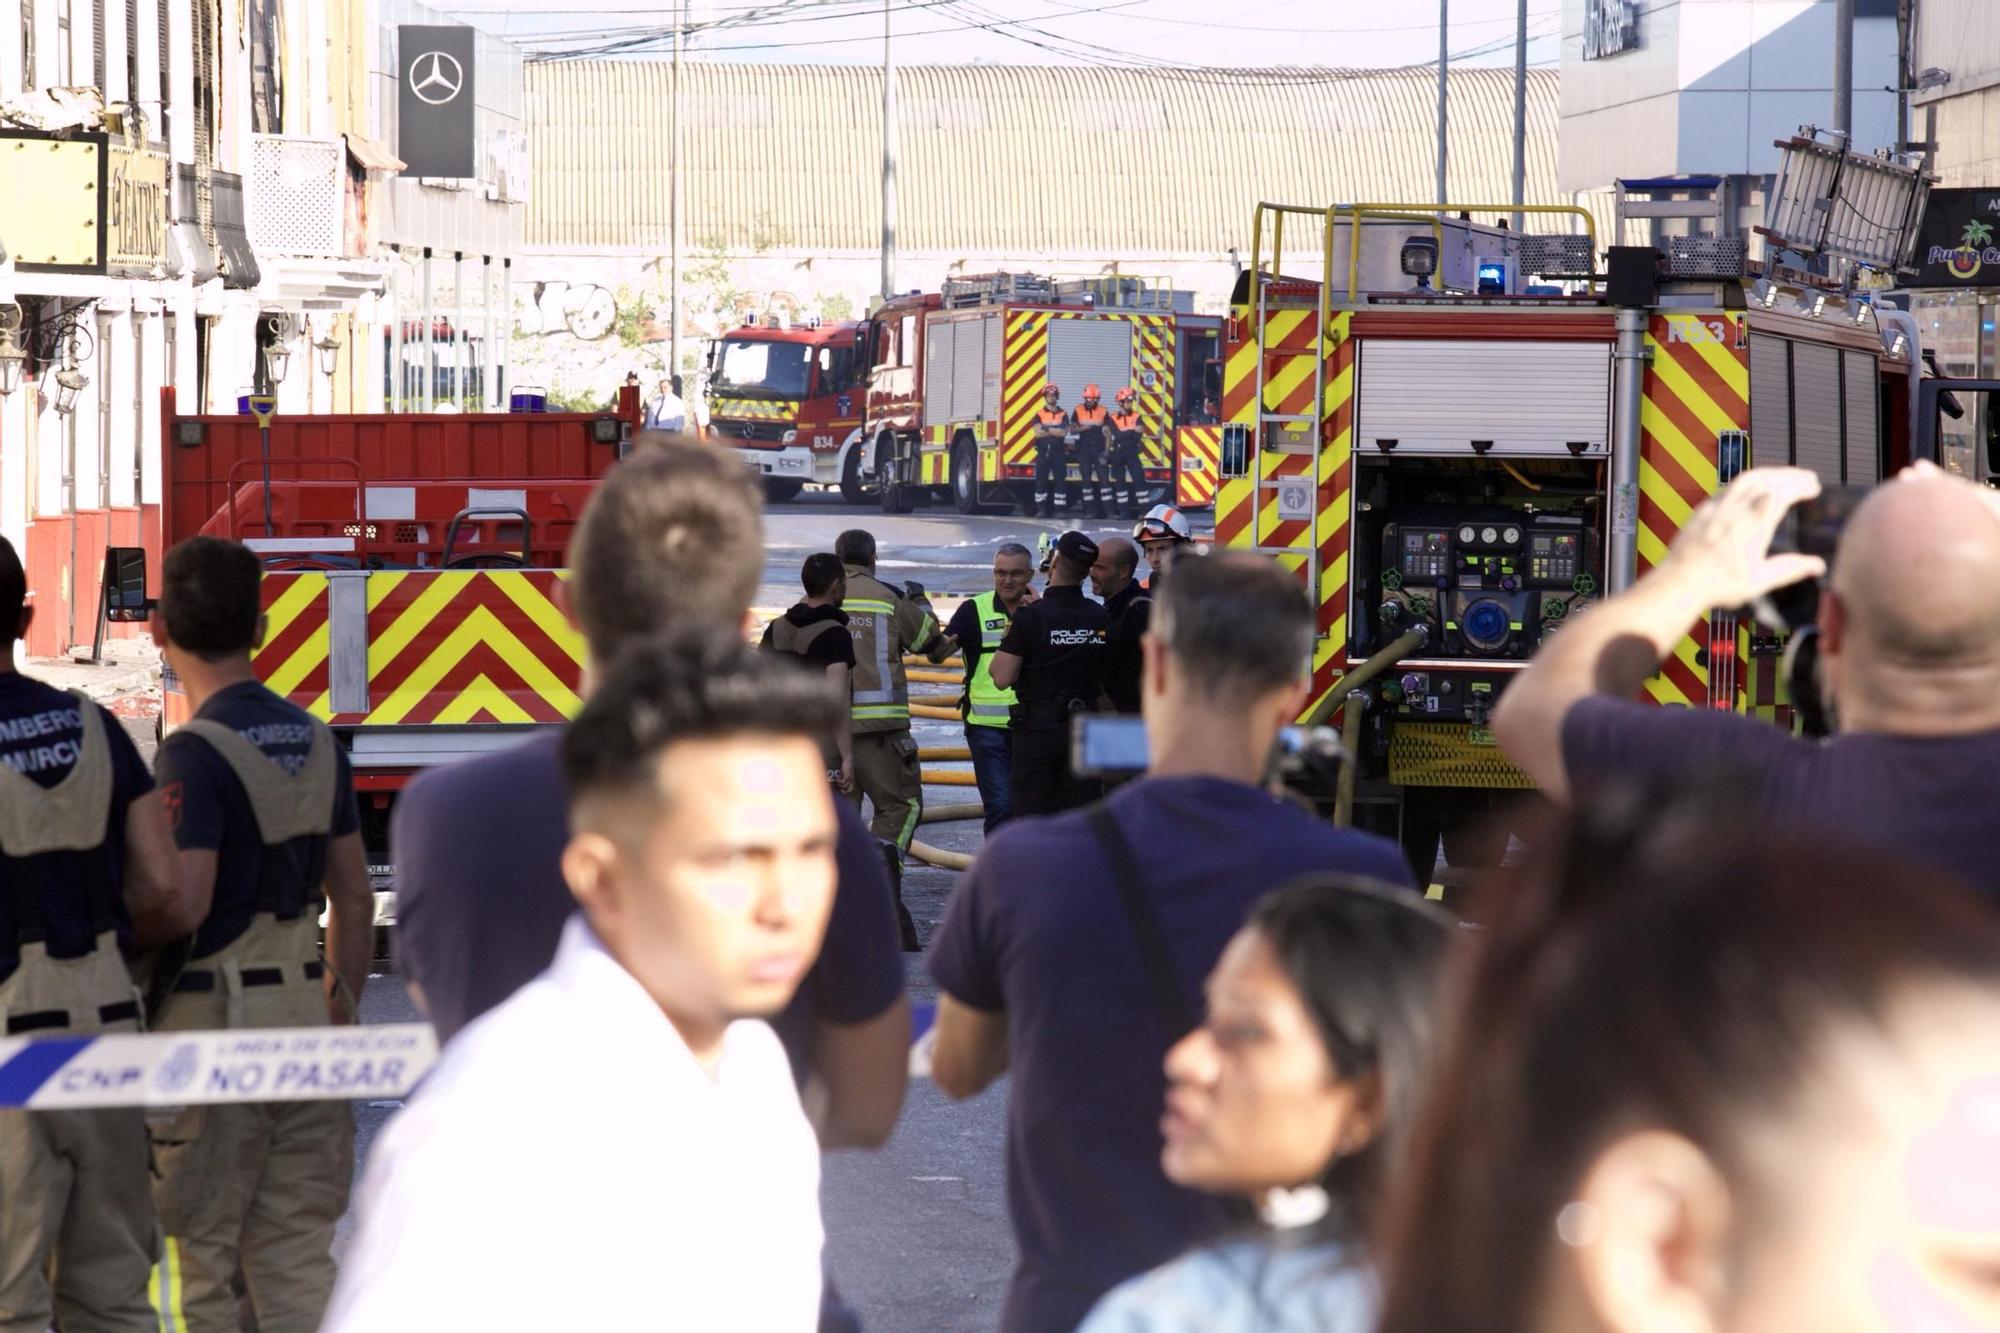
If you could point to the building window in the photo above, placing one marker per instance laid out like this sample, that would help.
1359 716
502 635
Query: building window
266 96
98 76
131 51
65 49
28 46
165 46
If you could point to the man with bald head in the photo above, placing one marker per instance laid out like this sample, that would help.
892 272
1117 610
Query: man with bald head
1115 576
1909 666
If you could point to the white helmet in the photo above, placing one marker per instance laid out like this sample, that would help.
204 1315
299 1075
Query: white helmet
1163 521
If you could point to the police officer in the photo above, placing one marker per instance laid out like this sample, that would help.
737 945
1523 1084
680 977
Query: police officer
86 865
1128 471
1130 608
1052 657
263 810
886 622
1051 451
1090 421
977 627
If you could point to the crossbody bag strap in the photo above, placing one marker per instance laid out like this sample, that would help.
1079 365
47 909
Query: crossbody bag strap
1168 1001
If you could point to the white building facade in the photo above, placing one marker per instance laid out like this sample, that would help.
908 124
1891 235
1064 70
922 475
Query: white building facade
195 198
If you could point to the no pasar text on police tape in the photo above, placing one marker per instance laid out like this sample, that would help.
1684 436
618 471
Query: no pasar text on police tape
238 1065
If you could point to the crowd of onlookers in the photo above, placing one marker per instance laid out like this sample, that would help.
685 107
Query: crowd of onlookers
1722 1054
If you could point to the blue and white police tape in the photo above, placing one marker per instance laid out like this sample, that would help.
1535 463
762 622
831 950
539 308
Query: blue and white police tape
251 1065
187 1068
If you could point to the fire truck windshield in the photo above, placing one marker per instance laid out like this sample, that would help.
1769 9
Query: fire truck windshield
763 369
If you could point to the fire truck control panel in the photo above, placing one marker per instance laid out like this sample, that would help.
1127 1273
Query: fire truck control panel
1488 583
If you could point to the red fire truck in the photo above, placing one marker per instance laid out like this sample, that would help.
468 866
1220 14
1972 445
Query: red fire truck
956 377
412 565
790 398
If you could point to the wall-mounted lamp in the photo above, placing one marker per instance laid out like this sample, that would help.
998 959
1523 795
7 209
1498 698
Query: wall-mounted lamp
69 383
329 354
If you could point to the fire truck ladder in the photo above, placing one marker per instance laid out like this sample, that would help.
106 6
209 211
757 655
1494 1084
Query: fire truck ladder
1289 432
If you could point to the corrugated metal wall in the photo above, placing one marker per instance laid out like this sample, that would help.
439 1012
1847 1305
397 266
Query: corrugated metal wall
1004 158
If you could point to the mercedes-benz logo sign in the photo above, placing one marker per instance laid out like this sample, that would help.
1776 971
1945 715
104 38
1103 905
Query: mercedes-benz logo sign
436 77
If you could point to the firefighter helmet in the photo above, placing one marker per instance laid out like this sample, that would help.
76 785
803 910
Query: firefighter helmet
1090 391
1051 388
1125 395
1163 523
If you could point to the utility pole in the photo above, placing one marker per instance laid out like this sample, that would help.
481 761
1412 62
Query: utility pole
1444 62
1520 111
1843 67
1904 75
888 158
674 204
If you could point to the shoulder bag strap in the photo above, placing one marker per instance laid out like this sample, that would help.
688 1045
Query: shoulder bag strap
1168 1002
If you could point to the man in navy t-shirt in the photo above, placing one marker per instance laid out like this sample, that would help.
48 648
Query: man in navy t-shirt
671 537
1040 970
87 869
1909 632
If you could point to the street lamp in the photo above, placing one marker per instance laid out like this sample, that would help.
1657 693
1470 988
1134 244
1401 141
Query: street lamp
276 358
328 349
69 383
12 361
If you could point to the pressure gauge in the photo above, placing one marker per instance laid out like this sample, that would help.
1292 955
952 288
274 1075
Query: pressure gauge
1489 536
1512 536
1468 533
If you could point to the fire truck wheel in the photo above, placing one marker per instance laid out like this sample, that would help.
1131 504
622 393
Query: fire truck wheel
852 488
965 477
777 490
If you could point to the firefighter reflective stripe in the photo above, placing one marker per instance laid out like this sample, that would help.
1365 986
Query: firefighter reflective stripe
163 1288
885 691
987 704
1697 387
442 646
878 712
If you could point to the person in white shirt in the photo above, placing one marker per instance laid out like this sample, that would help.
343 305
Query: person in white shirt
620 1145
667 411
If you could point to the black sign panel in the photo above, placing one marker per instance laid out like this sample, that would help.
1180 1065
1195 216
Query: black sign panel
434 108
1958 244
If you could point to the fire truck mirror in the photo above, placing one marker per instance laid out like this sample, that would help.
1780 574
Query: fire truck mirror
1989 431
125 599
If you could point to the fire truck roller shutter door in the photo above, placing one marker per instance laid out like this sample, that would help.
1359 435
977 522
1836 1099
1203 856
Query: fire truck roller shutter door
940 360
1770 400
1527 398
1089 351
1861 390
1816 409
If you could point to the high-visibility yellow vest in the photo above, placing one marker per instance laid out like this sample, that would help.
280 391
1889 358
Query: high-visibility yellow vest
987 703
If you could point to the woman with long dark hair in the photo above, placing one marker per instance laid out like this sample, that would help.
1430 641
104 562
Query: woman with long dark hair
1291 1097
1703 1077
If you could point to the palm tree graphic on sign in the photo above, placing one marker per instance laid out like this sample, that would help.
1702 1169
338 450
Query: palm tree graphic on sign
1964 264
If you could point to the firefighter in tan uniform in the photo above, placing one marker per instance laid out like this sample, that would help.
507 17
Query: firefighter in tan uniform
885 623
263 811
86 865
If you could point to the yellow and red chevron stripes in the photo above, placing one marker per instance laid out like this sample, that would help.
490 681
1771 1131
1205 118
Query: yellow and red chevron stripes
1024 369
1696 387
444 647
1153 354
752 409
1199 450
1247 515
